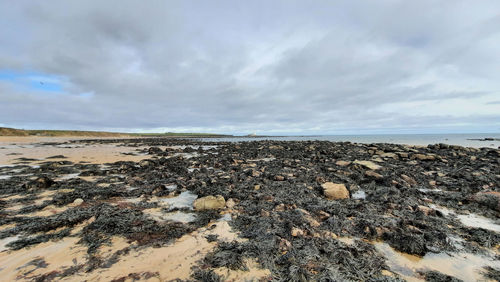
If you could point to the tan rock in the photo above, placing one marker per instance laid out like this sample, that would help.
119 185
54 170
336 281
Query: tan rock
368 164
256 187
389 155
425 210
408 179
279 178
335 191
424 157
387 273
78 202
230 203
342 163
297 232
209 203
373 174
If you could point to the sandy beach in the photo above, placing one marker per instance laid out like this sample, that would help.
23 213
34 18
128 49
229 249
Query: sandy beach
156 209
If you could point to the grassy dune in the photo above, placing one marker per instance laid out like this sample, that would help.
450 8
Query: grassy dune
5 131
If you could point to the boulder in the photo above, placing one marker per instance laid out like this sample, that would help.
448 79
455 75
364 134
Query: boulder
368 164
335 191
209 203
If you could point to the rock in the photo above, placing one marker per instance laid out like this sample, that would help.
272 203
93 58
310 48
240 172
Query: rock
432 183
387 273
373 174
78 201
408 179
425 210
256 187
323 215
209 203
389 156
307 217
145 163
368 164
284 245
40 183
335 191
255 173
423 157
230 203
279 178
342 163
488 199
297 232
279 208
403 155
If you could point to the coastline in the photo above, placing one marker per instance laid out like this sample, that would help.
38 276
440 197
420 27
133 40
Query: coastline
392 211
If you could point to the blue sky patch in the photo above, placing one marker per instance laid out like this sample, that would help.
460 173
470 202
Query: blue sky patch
36 81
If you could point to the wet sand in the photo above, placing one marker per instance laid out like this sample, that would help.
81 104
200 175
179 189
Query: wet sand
109 209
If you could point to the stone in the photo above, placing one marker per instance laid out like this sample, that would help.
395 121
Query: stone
408 179
307 217
230 203
373 174
145 163
279 208
256 187
78 201
284 245
424 157
389 155
425 210
40 183
403 155
279 178
334 191
387 273
368 164
296 232
342 163
209 203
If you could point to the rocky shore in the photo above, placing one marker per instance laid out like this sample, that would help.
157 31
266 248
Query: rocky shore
182 209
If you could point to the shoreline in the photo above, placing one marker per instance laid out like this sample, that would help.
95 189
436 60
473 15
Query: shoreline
248 210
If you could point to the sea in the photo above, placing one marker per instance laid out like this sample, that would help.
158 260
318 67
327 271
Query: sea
475 140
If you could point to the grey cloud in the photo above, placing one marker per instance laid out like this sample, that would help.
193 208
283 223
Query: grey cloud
258 66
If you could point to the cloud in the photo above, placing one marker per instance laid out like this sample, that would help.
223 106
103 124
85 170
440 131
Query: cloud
280 66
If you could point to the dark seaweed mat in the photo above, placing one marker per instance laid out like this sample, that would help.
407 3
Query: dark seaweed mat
390 211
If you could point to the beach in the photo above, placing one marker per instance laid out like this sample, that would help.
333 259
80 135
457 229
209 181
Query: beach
167 209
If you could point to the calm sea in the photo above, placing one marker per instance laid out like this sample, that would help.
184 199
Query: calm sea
410 139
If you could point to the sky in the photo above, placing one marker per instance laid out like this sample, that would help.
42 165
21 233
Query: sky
239 67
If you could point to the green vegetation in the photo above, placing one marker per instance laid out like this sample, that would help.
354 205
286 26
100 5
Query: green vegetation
5 131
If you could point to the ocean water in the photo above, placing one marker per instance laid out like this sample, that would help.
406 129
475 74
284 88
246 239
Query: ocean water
410 139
